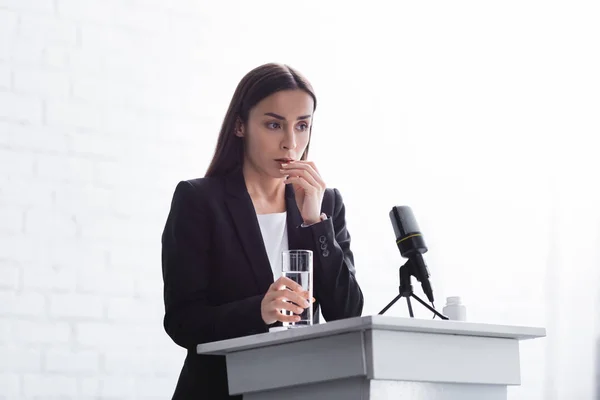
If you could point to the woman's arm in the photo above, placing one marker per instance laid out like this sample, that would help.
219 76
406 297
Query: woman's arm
189 320
335 285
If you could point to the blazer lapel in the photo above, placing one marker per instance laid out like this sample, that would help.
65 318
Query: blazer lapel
294 219
246 224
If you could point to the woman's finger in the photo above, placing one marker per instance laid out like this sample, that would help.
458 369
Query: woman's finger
280 305
304 174
315 172
285 282
278 311
306 166
314 166
302 165
300 181
297 298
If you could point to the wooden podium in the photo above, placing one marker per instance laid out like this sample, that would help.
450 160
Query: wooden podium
376 357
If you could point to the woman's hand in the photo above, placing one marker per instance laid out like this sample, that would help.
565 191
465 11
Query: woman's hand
283 294
308 186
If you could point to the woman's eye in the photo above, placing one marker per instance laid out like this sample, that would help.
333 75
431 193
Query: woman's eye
273 125
303 126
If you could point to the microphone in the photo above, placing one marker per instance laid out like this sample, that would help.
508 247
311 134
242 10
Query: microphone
411 245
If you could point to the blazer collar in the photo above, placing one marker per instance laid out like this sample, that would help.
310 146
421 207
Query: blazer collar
246 224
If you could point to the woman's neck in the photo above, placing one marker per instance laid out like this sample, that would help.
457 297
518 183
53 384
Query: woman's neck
267 193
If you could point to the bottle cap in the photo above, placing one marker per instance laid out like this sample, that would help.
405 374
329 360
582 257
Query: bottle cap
453 300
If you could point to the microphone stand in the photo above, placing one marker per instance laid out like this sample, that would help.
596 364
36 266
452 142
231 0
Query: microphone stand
406 290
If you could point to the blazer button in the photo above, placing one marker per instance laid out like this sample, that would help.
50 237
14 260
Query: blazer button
325 253
322 239
323 246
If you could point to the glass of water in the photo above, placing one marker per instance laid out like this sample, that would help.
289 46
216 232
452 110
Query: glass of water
298 266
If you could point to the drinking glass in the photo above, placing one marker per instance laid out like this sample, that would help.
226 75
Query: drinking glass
297 265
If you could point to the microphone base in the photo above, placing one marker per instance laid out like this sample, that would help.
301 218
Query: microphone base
409 304
406 290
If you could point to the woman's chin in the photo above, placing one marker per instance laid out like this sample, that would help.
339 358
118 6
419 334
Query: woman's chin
274 174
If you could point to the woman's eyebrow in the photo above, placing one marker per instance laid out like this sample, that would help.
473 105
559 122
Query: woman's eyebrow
283 118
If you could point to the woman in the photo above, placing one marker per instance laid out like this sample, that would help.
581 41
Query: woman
222 243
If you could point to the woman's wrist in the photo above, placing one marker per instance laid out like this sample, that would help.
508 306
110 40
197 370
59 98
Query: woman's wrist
322 217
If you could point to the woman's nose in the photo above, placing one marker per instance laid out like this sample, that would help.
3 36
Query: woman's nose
289 142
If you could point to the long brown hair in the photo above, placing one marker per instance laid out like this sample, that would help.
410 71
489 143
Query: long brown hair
259 83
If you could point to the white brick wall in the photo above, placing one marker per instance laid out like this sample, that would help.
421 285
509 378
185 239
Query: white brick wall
106 104
28 304
10 383
20 359
47 30
20 108
20 164
45 332
68 361
89 388
45 7
33 139
87 11
5 77
49 84
76 306
73 115
49 385
50 277
80 293
8 22
118 387
11 220
10 275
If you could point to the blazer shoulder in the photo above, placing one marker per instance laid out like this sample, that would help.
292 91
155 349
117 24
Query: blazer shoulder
203 183
332 199
202 187
196 194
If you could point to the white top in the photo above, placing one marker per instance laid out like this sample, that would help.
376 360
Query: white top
274 232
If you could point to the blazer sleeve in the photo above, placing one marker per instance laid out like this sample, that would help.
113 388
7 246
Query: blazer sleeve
335 285
189 319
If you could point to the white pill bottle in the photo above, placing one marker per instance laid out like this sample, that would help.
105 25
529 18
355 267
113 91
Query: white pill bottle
454 309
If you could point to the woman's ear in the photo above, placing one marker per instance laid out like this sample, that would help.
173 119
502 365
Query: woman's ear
239 127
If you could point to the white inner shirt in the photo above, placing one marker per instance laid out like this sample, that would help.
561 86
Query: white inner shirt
273 228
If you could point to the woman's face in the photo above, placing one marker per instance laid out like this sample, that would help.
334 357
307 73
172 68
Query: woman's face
278 128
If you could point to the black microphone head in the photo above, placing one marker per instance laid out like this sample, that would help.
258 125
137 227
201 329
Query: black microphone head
404 221
408 235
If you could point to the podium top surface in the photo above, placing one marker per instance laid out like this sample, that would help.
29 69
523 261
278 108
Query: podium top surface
371 322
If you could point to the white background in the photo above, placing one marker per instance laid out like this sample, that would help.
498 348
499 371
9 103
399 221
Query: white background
481 116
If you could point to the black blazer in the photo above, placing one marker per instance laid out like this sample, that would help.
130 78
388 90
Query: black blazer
216 272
